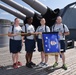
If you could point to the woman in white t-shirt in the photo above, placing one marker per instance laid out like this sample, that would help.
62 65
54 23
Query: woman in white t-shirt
15 42
29 41
40 29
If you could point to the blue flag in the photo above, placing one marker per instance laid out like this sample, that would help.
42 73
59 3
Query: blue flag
51 42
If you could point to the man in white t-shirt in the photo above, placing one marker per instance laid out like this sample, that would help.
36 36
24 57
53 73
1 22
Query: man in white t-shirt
63 30
40 29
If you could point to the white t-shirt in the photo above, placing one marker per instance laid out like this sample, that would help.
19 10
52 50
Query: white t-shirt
60 28
16 29
42 29
29 29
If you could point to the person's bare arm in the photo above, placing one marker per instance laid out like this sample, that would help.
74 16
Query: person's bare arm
25 34
12 34
66 33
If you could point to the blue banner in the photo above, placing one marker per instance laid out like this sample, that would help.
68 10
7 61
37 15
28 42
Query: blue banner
51 42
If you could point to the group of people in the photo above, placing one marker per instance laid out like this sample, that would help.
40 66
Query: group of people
27 32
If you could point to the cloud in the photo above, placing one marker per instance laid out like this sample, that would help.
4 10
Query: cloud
4 13
44 0
2 17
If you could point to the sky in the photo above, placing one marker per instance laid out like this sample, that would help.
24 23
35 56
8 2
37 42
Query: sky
53 4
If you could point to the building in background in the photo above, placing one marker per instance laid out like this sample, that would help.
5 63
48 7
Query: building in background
4 25
69 18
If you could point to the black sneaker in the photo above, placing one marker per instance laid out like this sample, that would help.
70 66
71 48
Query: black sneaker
32 63
64 67
29 65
